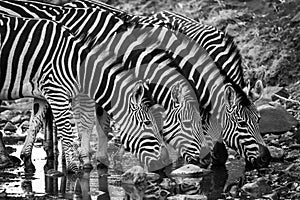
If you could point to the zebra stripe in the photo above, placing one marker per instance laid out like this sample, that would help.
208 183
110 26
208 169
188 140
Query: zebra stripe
33 6
52 79
223 51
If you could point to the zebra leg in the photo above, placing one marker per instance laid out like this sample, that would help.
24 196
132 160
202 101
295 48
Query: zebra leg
62 114
39 109
84 109
103 128
49 141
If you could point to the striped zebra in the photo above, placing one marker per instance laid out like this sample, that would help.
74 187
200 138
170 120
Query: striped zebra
226 56
180 138
38 68
76 20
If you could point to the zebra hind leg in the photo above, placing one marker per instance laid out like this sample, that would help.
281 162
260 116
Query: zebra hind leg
39 109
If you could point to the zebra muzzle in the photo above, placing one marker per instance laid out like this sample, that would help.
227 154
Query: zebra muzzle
263 160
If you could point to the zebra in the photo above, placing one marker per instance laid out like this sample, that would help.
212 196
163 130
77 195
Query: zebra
25 73
32 9
226 100
227 58
106 25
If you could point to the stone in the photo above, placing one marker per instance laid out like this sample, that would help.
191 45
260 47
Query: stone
187 197
276 152
7 114
190 170
275 119
134 175
257 188
17 119
10 127
54 173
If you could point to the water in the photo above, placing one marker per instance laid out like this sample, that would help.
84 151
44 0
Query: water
101 184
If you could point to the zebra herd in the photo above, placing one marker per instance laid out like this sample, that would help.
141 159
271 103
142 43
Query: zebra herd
160 79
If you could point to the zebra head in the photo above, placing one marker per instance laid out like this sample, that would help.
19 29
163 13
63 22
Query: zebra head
144 139
241 126
182 124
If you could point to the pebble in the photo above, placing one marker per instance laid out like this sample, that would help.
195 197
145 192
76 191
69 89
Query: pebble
190 170
276 152
10 127
275 119
134 175
187 197
257 188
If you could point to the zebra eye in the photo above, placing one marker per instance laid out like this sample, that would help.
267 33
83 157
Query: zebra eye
147 123
243 123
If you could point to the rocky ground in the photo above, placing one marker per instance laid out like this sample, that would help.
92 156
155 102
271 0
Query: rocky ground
267 33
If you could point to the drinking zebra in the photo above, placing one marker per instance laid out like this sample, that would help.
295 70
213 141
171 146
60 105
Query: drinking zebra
33 64
94 33
227 58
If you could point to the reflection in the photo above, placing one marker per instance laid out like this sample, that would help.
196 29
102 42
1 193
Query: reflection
213 184
103 183
26 186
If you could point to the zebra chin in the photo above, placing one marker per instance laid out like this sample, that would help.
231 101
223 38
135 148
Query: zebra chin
261 161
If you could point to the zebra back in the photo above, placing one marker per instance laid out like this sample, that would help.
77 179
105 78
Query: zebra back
92 25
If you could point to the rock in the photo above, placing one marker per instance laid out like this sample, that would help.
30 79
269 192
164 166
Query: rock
276 152
275 119
297 135
296 18
190 170
134 175
54 173
134 192
25 125
8 114
272 196
3 192
152 176
16 120
187 197
292 155
167 183
9 127
257 188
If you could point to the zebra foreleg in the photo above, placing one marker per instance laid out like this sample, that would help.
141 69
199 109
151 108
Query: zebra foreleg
84 110
39 109
103 128
62 114
49 145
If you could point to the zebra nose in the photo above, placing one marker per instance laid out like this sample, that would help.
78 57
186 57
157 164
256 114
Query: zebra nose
263 160
264 157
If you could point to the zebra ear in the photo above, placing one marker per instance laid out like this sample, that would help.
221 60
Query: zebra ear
158 112
229 96
137 93
175 92
257 91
